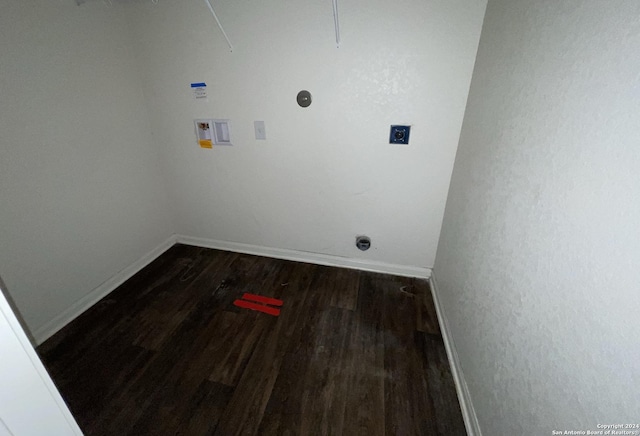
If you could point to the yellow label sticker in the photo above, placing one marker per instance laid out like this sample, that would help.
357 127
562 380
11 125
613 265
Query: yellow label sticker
205 143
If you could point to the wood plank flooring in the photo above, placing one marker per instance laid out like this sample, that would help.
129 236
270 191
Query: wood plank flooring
167 353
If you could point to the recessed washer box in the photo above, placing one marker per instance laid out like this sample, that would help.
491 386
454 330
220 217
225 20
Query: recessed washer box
211 132
221 132
399 134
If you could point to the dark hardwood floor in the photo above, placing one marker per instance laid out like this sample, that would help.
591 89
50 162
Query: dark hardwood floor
168 353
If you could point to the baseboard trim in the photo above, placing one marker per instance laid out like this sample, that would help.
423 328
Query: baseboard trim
307 257
50 328
468 411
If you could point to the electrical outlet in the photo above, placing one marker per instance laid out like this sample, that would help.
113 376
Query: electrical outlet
399 135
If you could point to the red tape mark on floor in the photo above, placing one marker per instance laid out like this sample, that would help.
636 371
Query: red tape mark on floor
259 307
261 299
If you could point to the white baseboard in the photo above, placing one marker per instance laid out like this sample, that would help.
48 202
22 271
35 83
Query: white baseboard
308 257
468 412
47 330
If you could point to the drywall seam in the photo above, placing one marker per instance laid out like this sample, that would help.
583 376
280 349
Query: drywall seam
468 411
47 330
307 257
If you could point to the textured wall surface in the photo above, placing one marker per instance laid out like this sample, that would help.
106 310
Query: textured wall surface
81 195
325 173
538 263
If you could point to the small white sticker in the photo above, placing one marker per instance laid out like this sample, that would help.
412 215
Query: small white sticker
199 90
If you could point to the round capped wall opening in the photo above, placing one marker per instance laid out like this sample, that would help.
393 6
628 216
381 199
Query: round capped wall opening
304 98
363 243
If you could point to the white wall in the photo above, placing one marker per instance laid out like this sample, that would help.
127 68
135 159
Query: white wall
80 184
538 261
325 173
